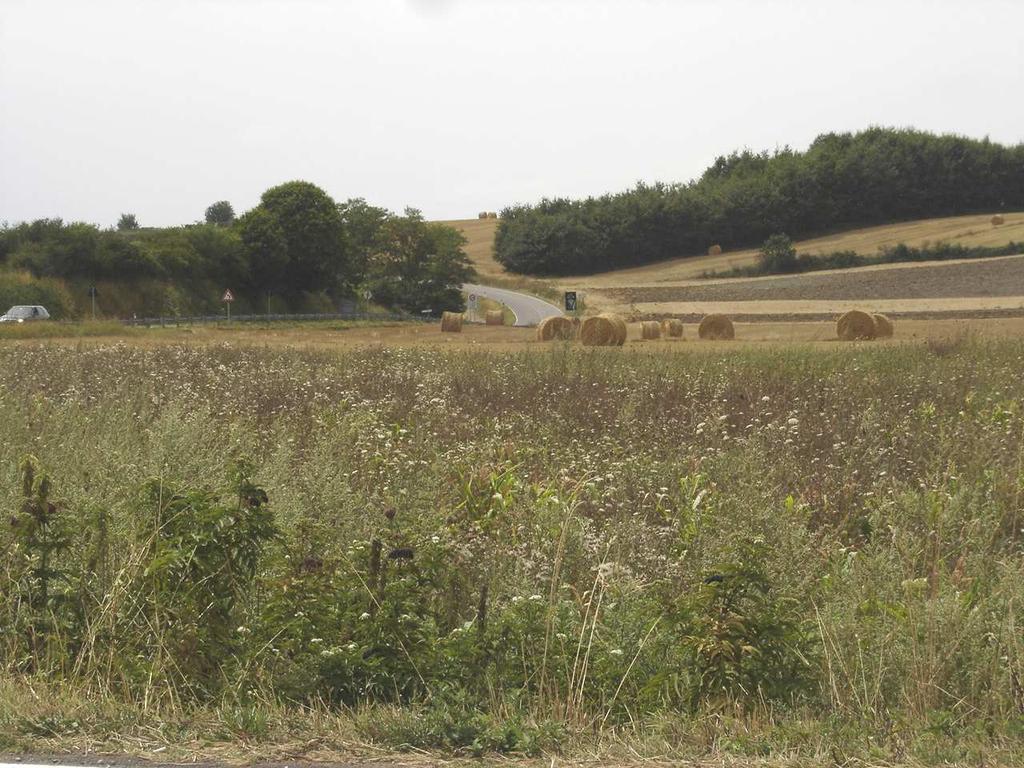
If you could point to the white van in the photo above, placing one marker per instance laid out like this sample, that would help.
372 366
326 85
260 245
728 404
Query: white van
25 312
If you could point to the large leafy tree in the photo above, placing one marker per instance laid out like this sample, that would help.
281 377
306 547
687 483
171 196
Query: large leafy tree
418 266
363 223
267 249
220 213
127 222
313 233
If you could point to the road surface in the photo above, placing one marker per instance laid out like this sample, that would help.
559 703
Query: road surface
529 310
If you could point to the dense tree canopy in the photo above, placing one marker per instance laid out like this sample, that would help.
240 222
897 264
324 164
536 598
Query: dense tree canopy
297 245
313 234
842 180
418 266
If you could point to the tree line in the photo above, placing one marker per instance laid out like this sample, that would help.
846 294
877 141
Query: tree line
297 248
843 180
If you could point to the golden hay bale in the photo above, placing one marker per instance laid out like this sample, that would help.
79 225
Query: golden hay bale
605 330
621 330
883 326
556 327
672 327
715 250
855 325
650 329
482 215
716 327
494 317
997 220
451 322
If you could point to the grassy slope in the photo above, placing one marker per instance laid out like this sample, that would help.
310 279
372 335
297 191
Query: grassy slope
967 230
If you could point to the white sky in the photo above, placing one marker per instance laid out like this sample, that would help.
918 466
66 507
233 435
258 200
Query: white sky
161 107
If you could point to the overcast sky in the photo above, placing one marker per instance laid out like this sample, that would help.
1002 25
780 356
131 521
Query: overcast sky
161 107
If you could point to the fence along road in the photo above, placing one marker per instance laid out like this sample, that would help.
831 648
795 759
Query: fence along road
529 310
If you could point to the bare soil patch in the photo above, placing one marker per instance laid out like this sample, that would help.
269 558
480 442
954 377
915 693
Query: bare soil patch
983 278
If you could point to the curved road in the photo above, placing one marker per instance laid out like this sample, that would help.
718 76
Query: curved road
529 310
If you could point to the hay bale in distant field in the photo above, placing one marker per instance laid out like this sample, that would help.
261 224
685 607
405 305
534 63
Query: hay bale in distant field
998 219
883 326
716 327
557 327
494 317
854 325
715 250
650 329
451 322
672 327
605 330
621 329
492 215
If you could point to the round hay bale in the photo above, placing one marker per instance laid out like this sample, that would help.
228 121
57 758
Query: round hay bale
606 330
621 329
855 325
716 327
556 327
715 250
883 326
650 329
672 327
494 317
482 215
451 322
997 220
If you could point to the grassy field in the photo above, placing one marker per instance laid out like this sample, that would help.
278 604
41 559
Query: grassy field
806 329
779 555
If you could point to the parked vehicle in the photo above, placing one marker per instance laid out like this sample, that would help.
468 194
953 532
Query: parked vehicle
25 312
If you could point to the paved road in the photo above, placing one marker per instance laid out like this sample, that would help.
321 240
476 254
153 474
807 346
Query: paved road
529 310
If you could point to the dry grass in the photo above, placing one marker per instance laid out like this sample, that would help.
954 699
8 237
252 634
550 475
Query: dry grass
479 234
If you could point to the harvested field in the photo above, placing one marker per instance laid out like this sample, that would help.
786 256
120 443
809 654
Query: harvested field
997 277
973 230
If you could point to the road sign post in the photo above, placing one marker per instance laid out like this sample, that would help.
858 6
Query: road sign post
227 298
92 295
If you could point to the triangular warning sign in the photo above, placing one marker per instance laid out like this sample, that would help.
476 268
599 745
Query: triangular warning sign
228 295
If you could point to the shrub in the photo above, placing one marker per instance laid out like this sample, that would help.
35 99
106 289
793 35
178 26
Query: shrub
777 256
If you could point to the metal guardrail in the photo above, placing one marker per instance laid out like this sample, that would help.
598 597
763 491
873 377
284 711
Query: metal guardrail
275 318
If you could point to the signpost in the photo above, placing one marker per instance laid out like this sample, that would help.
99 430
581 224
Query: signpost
474 302
92 295
227 298
570 301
